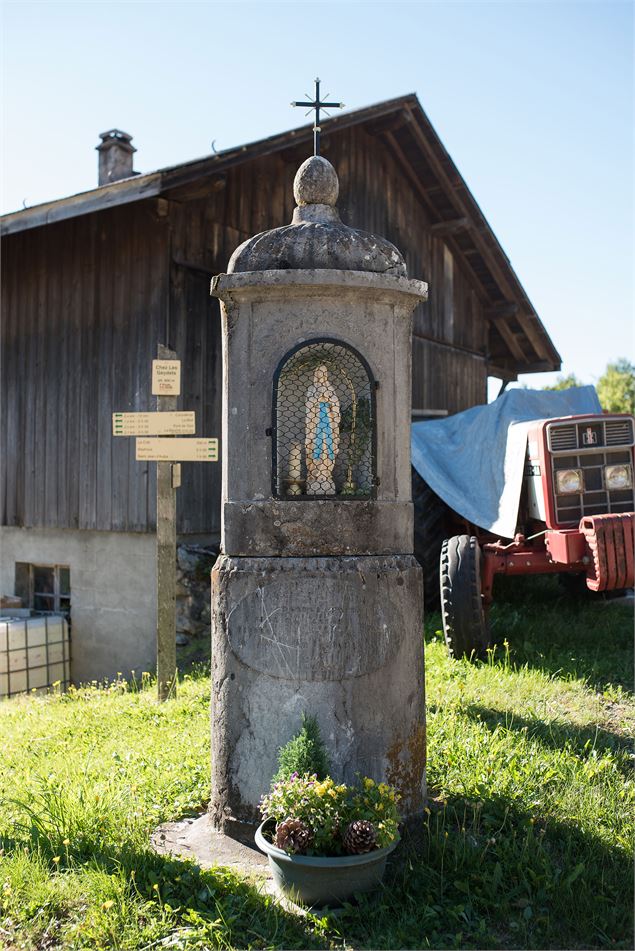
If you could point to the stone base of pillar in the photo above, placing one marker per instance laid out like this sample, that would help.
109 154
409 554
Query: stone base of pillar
337 638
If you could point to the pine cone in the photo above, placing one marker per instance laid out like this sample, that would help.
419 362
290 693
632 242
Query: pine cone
360 837
293 836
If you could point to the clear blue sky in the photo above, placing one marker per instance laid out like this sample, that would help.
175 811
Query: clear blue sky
533 100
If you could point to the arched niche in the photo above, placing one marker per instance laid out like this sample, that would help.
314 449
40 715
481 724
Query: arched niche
324 423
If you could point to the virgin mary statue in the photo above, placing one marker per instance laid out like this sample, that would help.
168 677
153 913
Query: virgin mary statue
322 433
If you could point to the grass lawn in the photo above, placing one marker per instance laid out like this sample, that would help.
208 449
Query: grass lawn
527 843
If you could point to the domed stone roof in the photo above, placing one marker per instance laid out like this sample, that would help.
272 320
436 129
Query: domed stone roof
317 237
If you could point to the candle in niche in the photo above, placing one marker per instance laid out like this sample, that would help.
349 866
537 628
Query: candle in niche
295 470
295 461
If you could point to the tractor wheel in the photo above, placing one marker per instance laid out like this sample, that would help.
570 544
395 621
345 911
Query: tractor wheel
430 530
464 621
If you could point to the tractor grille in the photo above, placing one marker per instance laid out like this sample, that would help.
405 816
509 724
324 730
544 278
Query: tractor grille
591 445
590 434
596 499
564 437
619 432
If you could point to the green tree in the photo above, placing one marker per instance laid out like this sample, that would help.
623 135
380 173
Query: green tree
565 383
616 387
304 753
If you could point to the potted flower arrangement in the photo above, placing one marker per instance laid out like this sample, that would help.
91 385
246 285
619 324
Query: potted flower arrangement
325 841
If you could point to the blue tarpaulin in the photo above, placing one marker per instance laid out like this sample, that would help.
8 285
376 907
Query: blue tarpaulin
474 460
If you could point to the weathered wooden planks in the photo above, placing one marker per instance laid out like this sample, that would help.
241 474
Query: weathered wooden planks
86 300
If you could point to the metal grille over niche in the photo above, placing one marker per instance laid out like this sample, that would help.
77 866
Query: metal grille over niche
323 424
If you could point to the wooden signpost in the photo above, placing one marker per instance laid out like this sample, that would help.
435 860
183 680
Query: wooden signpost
177 450
153 424
160 439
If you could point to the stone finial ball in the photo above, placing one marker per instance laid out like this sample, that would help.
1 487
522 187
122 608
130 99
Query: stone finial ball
316 182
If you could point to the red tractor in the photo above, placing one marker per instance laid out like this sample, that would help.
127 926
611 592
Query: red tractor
575 516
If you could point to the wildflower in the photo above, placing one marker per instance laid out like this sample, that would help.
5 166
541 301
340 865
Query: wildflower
427 811
156 887
66 842
108 904
56 859
369 783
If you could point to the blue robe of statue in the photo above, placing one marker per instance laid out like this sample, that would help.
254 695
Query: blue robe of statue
323 433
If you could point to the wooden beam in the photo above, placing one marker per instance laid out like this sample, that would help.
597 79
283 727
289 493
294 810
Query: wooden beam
512 341
540 366
190 266
428 413
496 312
450 226
439 171
501 371
202 188
389 123
480 238
457 224
448 346
407 168
499 313
107 196
528 323
166 559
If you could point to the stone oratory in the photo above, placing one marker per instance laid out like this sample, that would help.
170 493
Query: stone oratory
316 596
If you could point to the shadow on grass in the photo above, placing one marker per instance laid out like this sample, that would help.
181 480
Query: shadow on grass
486 876
552 734
470 875
207 908
571 637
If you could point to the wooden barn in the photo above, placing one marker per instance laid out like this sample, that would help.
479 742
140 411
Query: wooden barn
92 283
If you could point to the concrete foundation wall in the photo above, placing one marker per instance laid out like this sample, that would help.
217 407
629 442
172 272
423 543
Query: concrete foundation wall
113 594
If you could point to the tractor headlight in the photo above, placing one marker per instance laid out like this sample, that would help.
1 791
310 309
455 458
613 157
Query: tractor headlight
618 477
569 481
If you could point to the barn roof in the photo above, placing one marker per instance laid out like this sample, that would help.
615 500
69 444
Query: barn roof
515 328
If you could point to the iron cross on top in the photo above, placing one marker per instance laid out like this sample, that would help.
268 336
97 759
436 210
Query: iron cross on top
317 105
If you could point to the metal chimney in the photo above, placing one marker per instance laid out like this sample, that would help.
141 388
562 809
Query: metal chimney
115 156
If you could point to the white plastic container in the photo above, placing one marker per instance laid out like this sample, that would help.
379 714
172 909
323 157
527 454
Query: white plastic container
34 654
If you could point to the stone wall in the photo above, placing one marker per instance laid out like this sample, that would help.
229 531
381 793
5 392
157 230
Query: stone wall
193 567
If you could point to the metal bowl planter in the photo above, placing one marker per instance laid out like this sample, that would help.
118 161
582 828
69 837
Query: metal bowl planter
317 880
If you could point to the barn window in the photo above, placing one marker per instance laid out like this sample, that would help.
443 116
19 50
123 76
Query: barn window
46 589
323 424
